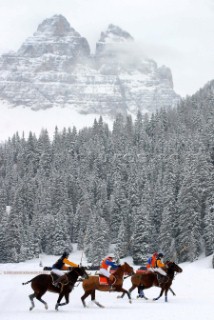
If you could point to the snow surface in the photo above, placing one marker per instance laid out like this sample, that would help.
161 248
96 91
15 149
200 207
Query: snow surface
20 119
193 300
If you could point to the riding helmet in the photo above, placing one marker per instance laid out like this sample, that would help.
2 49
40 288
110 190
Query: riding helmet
65 254
160 255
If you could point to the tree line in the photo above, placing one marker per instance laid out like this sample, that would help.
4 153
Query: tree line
145 185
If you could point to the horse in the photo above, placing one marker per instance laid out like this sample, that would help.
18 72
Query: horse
43 283
148 279
92 284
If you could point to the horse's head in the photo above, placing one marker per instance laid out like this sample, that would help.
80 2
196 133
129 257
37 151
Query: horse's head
127 269
173 267
81 272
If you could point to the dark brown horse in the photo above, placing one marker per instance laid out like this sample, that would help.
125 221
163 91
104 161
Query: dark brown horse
43 283
148 279
92 284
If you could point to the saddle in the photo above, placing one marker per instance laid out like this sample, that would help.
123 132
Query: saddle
106 281
143 271
57 280
54 276
103 280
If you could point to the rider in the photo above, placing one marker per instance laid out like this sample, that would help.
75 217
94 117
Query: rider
151 261
61 265
106 263
159 265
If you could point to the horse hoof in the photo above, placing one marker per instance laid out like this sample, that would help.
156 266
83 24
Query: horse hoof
98 304
130 301
31 308
46 306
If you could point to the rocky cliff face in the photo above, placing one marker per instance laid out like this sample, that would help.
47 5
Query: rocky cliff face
54 67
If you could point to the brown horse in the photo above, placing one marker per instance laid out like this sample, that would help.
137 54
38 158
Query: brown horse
43 283
149 279
92 284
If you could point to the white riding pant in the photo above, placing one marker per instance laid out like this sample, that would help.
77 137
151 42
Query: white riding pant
104 272
151 269
161 271
58 272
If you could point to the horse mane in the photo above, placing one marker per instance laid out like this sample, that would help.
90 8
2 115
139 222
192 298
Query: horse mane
118 269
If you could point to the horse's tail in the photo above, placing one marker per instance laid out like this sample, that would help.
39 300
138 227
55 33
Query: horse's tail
24 283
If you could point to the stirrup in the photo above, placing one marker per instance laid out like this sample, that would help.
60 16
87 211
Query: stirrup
113 282
55 284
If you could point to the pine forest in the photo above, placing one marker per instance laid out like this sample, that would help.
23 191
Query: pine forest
145 185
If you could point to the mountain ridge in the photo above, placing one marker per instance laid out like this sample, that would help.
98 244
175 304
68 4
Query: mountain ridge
55 67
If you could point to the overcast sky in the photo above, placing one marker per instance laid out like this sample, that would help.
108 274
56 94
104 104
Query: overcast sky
176 33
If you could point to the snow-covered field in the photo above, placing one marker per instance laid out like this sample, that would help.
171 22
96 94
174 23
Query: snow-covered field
194 298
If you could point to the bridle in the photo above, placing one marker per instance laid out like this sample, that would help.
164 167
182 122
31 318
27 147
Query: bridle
76 270
129 274
174 272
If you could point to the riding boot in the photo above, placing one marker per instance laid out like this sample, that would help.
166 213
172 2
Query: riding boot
62 279
140 292
161 278
111 282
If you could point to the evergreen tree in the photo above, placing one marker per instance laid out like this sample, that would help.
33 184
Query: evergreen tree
122 244
209 226
3 223
188 240
140 243
13 237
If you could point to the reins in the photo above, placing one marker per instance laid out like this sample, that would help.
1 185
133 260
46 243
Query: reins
78 275
120 275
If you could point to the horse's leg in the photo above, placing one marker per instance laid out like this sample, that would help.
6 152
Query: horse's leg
163 289
160 295
39 297
94 300
172 291
166 291
60 298
126 292
86 294
61 295
130 290
31 297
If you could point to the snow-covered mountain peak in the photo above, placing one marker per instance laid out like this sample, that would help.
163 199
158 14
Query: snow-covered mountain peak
115 34
113 42
57 25
55 36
